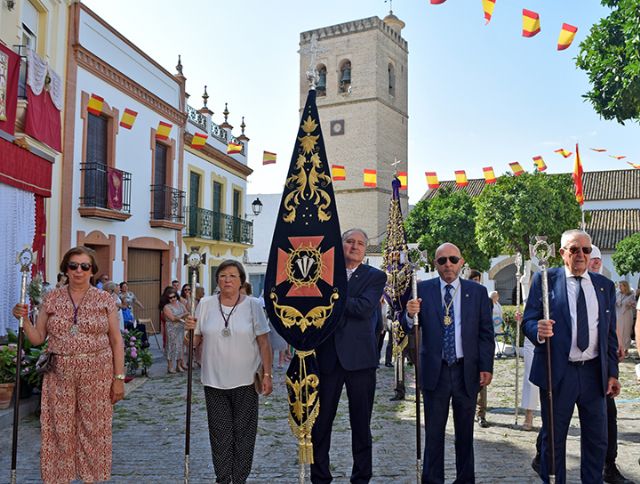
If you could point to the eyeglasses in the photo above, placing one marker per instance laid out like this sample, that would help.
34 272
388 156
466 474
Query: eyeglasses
85 266
574 250
173 296
454 259
187 290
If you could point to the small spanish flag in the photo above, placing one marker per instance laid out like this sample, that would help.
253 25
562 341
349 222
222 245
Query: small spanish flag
234 148
489 175
370 178
198 141
402 176
94 106
516 168
338 173
539 162
567 34
437 2
530 23
488 6
563 152
128 118
461 178
163 130
577 177
635 165
432 179
268 158
617 157
598 150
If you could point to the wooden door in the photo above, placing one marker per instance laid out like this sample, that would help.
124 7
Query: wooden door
144 269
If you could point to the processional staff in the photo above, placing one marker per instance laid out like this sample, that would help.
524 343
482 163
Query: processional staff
25 259
516 345
543 251
416 329
193 261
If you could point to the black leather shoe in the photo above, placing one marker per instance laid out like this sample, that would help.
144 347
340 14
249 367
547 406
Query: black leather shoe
535 464
482 422
389 365
397 397
612 475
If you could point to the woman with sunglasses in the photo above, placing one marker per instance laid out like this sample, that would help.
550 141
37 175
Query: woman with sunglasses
86 376
174 312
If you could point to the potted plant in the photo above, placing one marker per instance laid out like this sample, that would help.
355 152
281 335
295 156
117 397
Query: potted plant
135 357
8 358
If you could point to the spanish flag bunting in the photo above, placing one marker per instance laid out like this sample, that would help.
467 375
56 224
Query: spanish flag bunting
128 118
617 157
563 152
198 141
488 6
489 175
268 158
437 2
95 104
530 23
432 179
402 176
539 162
577 177
461 178
163 130
567 34
516 168
598 150
635 165
338 173
234 148
370 178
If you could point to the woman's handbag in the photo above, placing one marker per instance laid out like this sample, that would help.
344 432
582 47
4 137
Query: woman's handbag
44 363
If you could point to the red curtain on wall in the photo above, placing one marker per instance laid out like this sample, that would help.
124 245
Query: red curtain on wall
43 119
11 90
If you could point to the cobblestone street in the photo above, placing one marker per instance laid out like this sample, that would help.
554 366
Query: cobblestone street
148 435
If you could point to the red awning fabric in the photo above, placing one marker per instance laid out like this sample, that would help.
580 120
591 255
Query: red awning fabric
20 168
9 89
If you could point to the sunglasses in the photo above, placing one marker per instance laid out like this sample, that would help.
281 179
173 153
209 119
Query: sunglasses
85 266
454 259
173 297
575 250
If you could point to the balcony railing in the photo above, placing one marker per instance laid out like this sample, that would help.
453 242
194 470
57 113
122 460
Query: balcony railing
196 118
168 204
208 224
105 187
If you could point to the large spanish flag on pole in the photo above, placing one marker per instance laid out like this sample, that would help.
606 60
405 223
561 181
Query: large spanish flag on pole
567 34
432 179
489 175
488 6
577 177
461 178
530 23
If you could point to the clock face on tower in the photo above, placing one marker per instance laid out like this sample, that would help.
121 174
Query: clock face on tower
337 127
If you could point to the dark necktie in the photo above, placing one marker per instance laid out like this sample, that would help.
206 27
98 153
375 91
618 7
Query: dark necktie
582 336
449 329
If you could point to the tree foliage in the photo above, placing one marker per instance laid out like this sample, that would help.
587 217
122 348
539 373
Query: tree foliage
627 256
516 208
611 57
448 217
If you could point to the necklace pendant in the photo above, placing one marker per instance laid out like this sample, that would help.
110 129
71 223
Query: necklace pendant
447 320
226 332
74 330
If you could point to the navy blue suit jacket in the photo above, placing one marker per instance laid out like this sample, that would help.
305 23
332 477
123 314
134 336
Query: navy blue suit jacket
561 340
478 342
354 343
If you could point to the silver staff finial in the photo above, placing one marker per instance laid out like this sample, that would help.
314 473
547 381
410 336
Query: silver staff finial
542 250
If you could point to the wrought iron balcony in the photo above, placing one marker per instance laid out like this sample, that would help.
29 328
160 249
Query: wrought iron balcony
196 118
211 225
106 192
168 204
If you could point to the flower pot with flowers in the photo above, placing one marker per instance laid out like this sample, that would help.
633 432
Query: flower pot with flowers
135 357
8 359
30 379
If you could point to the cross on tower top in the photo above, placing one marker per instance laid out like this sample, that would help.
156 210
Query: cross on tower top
312 50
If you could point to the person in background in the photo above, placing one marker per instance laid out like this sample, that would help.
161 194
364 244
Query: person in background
102 280
176 285
174 313
481 407
129 300
114 291
625 312
185 295
61 280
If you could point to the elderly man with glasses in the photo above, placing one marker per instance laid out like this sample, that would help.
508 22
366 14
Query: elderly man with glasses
456 359
582 330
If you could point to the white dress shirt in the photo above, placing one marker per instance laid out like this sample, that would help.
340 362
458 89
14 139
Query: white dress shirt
592 311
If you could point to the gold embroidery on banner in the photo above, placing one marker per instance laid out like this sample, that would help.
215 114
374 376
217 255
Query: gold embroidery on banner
400 339
290 316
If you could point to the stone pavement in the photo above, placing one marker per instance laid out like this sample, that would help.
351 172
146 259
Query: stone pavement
148 435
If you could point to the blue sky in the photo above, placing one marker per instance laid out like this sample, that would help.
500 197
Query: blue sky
478 95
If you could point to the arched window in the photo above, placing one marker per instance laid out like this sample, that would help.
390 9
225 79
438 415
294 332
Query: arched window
392 80
344 77
321 86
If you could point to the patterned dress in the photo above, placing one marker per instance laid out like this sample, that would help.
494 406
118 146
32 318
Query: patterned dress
175 333
76 401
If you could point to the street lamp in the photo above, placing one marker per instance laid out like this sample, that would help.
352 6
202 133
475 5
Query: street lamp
256 206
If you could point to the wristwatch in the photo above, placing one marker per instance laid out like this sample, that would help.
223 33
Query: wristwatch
121 376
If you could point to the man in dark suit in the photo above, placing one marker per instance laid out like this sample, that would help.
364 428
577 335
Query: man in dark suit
584 361
350 357
456 359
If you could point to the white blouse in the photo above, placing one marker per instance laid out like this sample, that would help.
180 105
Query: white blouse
229 361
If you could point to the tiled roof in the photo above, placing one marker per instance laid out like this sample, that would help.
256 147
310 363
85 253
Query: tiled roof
598 185
608 227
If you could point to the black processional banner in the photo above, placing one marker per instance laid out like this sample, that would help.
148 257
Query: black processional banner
306 281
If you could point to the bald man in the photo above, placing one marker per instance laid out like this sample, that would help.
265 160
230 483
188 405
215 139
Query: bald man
456 359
